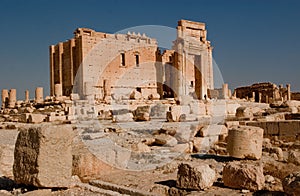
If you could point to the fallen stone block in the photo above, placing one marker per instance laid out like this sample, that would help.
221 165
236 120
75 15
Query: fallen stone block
176 111
165 140
204 143
36 118
127 117
291 184
243 176
159 111
142 113
140 147
245 142
211 130
43 156
247 112
195 177
85 164
294 157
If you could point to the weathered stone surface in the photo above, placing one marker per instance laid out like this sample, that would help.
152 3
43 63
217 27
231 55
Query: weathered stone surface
277 151
135 95
40 192
85 164
165 140
247 112
127 117
197 177
294 157
140 147
159 111
231 108
204 143
176 111
36 118
154 96
198 108
142 113
245 142
243 176
43 156
7 147
291 184
211 130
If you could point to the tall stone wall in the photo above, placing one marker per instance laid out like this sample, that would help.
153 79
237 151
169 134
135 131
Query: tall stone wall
132 62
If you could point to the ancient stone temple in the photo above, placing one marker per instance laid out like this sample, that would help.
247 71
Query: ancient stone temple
104 66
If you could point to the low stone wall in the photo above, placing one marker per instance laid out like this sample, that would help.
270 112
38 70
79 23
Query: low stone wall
288 129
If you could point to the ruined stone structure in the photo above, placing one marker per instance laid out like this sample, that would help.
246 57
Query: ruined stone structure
101 65
264 92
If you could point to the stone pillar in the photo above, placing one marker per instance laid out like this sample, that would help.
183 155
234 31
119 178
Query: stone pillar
52 74
229 93
39 95
4 97
267 99
245 142
12 99
58 90
234 94
288 87
253 95
259 97
225 91
27 99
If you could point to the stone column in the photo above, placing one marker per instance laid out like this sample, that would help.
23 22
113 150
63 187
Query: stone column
4 97
253 96
39 95
288 87
234 94
225 91
12 99
259 97
58 90
245 142
267 99
27 99
52 74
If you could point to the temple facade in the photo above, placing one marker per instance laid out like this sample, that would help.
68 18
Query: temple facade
104 66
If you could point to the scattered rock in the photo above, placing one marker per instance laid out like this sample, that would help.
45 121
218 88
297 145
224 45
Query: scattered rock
291 184
243 176
165 140
140 147
294 157
142 113
196 177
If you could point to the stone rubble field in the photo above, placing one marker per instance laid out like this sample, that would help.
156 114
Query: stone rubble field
220 147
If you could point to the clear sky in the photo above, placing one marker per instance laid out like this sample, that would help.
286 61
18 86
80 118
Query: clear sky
254 41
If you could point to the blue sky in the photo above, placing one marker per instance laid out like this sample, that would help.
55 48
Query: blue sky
254 41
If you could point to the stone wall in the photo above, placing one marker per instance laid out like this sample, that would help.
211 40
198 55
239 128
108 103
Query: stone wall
288 129
99 65
295 96
263 92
